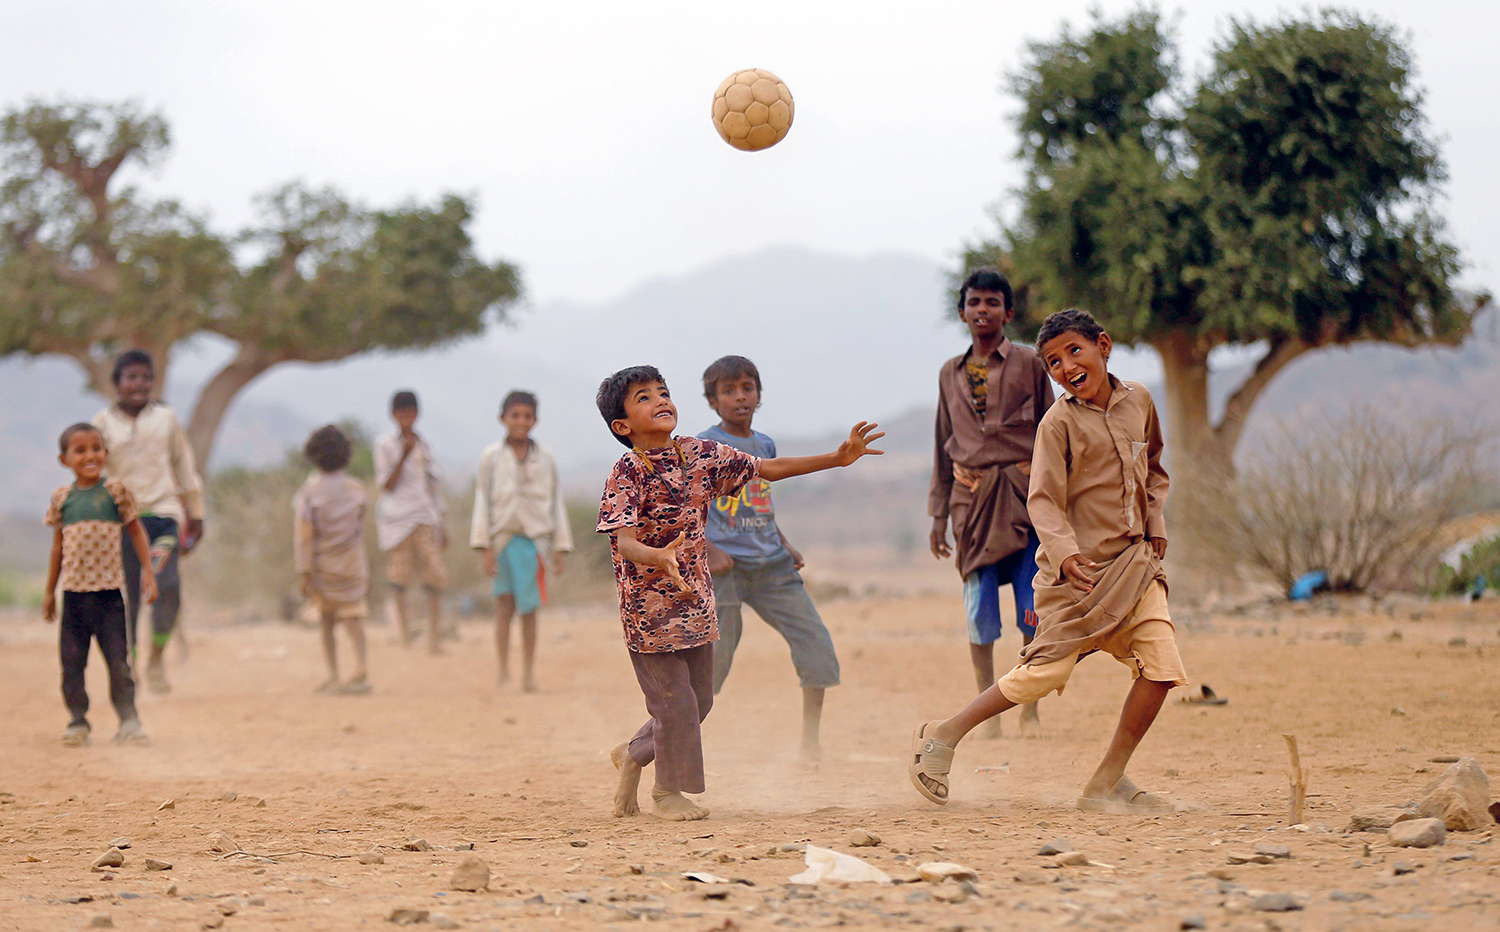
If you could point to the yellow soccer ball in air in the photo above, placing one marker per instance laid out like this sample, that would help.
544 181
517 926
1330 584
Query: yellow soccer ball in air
752 109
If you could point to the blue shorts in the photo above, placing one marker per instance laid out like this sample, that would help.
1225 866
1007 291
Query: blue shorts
519 573
982 594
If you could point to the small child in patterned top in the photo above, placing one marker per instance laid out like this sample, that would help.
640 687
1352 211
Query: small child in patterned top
86 518
654 508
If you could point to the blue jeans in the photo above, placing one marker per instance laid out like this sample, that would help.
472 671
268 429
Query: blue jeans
982 594
774 589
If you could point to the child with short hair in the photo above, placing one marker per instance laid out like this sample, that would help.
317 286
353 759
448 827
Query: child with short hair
88 520
409 518
751 560
653 508
520 525
1096 498
990 399
329 552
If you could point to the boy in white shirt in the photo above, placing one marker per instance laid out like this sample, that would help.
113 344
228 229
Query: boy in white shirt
409 518
520 525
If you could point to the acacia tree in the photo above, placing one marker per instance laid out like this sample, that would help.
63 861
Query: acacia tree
89 268
1285 201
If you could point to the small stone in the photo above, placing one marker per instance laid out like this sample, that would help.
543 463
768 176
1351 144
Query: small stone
226 909
169 804
1418 833
171 889
919 896
1404 867
579 843
638 869
213 922
1397 710
464 846
1339 896
1372 820
1273 851
223 843
229 797
1246 857
122 843
442 921
863 839
106 876
407 916
260 804
1073 859
114 857
417 844
536 899
371 857
1275 903
1460 797
939 871
152 864
256 901
101 921
472 875
1458 640
1101 830
1056 846
792 846
1034 877
1192 921
949 893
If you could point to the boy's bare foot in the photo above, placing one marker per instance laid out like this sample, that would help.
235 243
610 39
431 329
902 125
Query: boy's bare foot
130 732
156 676
358 686
1031 721
811 755
528 685
627 802
76 736
675 807
328 687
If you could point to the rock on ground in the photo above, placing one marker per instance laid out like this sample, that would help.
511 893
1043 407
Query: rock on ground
1418 833
1373 820
939 871
472 875
1460 798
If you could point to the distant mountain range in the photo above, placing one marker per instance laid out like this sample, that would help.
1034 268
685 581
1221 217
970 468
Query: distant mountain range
837 338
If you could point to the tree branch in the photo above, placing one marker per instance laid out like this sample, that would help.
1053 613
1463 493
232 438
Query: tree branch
1237 409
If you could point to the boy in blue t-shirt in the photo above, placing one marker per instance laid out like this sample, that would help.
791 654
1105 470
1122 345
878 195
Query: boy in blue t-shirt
752 563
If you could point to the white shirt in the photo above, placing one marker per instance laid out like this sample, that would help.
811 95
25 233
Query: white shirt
417 498
522 497
150 454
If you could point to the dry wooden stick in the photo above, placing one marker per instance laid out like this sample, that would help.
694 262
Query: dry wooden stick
1298 776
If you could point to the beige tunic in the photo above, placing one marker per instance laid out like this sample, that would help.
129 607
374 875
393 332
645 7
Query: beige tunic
151 455
330 537
1097 489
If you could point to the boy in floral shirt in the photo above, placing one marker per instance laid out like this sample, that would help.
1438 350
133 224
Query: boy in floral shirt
654 508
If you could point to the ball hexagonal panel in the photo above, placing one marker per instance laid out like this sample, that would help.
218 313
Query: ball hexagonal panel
752 109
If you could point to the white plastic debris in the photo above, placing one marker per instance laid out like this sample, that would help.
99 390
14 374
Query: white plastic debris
831 866
706 877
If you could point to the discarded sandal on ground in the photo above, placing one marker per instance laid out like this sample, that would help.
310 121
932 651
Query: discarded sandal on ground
932 759
1203 695
1126 798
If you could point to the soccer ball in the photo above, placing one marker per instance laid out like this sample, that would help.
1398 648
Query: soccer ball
752 109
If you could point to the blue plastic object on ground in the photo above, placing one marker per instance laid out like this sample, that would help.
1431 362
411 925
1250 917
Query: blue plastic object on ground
1307 584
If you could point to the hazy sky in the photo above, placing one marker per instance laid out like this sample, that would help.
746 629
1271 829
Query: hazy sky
583 128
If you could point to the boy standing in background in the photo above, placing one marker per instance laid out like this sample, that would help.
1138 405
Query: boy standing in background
149 452
990 400
520 522
409 518
751 560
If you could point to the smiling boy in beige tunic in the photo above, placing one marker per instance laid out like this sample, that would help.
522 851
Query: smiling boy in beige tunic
1096 498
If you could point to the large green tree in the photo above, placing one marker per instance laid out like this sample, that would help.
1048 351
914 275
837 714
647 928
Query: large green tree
89 267
1285 201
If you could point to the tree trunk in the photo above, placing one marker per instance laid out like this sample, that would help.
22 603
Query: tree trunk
215 398
1185 369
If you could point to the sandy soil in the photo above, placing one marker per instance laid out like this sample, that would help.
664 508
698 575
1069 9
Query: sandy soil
439 753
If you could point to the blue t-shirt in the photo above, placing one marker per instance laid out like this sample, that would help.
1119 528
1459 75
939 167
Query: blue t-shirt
743 525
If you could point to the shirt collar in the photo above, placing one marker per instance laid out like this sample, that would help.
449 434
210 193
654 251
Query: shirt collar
1118 393
1002 349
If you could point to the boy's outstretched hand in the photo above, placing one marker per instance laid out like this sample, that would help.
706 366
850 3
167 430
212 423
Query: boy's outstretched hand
860 437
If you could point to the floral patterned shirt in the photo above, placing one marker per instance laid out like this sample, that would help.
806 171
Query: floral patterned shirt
90 520
663 493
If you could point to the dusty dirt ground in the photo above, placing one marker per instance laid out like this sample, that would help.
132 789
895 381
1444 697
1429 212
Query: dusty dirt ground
438 752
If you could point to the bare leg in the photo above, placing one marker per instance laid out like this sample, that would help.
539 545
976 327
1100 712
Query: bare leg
812 719
528 652
1031 719
505 607
403 618
330 648
356 629
985 706
627 802
434 620
982 656
1141 705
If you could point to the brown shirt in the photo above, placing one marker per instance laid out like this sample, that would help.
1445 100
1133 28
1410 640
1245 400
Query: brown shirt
989 523
1097 489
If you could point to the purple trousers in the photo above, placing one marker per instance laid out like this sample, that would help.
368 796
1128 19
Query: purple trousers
679 690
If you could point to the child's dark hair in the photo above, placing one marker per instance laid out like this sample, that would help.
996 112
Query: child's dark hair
1071 320
404 400
612 391
134 357
986 279
73 430
518 397
728 367
328 448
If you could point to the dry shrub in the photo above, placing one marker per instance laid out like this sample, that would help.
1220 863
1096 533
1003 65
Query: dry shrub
1362 496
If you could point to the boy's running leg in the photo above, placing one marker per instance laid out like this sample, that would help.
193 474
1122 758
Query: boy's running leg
162 533
1142 704
360 682
505 609
731 624
1022 571
74 638
528 652
777 594
111 636
326 625
812 723
982 612
434 619
678 689
403 617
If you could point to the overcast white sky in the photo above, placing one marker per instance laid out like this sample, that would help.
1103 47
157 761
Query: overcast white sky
584 129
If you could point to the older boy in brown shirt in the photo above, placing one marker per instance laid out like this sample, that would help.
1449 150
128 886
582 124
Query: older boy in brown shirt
990 399
1096 497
